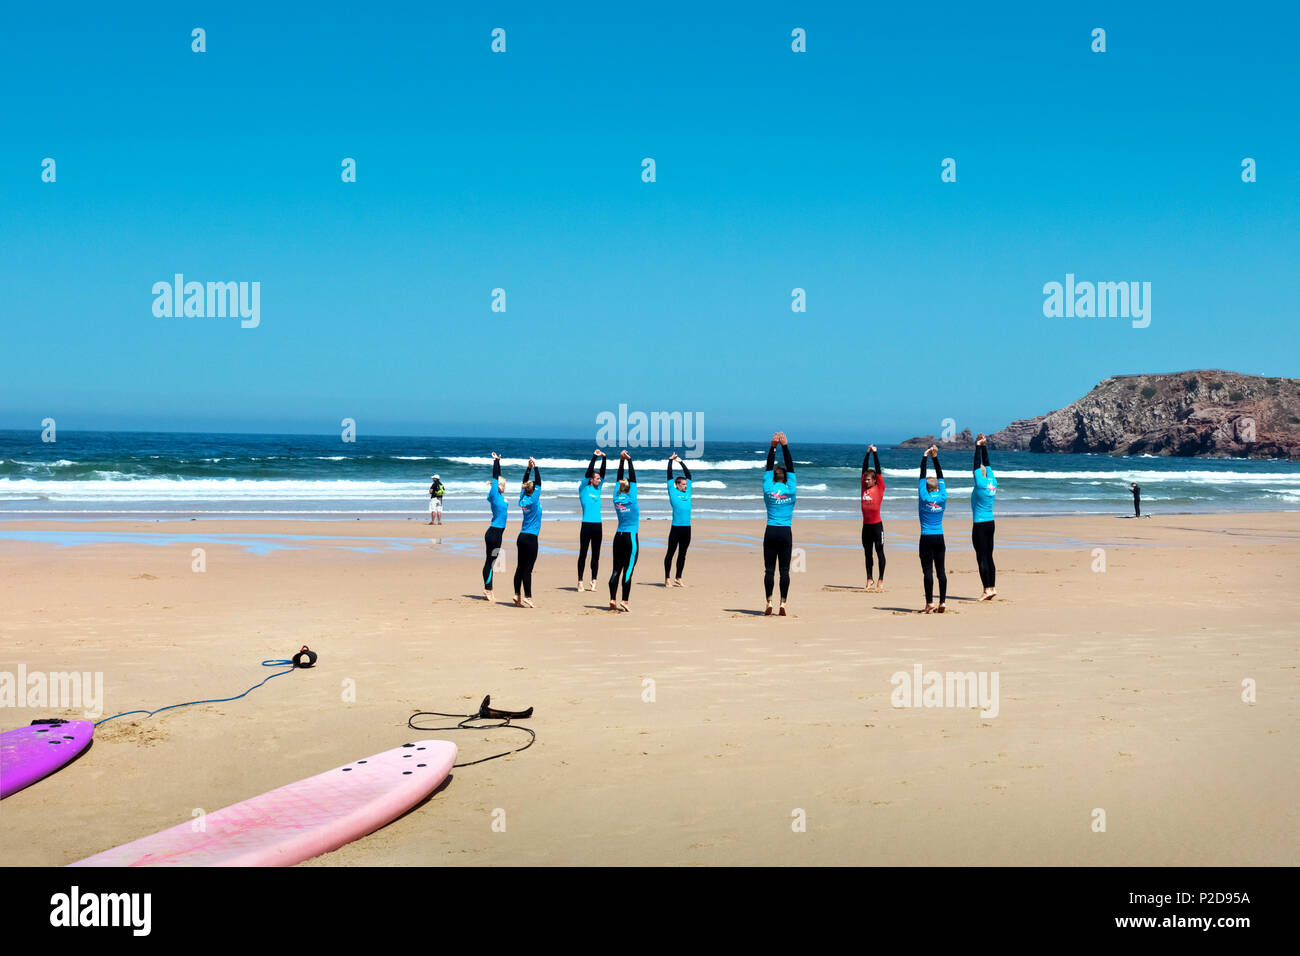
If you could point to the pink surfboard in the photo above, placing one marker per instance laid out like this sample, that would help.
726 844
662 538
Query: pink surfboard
299 821
31 753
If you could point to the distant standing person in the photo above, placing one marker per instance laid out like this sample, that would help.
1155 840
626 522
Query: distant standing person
1137 499
981 509
931 500
530 502
778 539
679 535
496 497
628 512
873 528
436 491
592 530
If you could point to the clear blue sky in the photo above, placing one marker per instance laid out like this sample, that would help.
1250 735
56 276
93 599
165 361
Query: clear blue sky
775 170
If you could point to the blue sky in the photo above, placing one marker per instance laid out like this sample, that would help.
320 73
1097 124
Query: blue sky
522 170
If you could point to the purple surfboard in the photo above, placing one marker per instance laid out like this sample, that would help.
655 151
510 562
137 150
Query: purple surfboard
30 753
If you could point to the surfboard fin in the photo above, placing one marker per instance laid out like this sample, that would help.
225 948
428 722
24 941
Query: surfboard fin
485 710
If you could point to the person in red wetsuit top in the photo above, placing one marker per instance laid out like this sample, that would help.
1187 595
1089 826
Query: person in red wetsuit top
873 529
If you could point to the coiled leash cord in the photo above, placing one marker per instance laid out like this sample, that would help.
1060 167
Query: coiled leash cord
305 655
471 722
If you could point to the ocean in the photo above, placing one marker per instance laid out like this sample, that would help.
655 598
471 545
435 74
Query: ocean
170 475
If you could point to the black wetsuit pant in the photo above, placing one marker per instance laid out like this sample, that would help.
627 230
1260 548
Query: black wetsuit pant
1137 506
679 539
527 544
981 538
778 543
492 542
873 538
591 534
933 551
625 555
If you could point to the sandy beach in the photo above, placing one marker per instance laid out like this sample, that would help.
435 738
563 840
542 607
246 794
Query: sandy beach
1120 690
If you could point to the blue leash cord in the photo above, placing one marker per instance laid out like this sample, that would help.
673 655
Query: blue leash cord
288 666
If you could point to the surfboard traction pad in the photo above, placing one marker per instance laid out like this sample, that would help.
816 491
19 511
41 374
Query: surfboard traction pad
30 754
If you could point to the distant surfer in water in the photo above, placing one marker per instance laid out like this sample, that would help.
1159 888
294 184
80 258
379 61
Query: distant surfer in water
628 513
679 535
592 530
981 508
931 500
1137 499
530 501
496 497
873 528
778 539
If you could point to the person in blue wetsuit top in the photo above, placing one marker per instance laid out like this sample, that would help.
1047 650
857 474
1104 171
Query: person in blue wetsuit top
628 513
530 502
679 535
592 530
778 538
931 501
981 509
496 497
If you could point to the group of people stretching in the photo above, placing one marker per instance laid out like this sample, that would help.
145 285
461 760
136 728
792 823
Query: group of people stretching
779 497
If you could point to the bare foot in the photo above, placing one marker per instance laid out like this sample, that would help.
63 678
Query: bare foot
667 583
988 595
993 592
678 583
768 612
880 586
622 606
781 613
592 585
940 609
487 595
613 606
528 602
929 609
518 603
871 585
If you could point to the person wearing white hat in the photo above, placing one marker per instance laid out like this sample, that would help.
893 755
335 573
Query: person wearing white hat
436 491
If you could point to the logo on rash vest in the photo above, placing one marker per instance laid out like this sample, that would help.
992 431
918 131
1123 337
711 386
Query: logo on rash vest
934 506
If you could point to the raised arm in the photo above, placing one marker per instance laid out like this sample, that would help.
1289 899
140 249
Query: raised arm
670 471
685 471
875 459
789 462
537 475
771 457
602 467
938 472
591 467
925 458
620 468
984 454
631 471
496 468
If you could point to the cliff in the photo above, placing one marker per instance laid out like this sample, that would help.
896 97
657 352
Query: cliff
1205 412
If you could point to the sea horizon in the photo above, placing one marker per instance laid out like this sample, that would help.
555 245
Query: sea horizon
180 475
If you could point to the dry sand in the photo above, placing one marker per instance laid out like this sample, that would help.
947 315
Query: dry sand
1119 690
